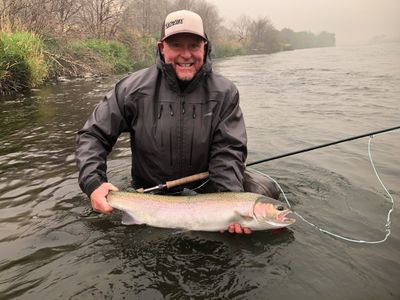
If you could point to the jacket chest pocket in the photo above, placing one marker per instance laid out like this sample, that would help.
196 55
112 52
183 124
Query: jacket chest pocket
166 123
183 132
197 132
165 132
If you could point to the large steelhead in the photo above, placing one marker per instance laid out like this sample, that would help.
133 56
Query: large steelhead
201 212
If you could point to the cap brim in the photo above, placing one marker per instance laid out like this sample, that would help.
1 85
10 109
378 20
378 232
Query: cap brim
181 32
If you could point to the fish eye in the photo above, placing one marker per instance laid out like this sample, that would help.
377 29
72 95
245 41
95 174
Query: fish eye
280 207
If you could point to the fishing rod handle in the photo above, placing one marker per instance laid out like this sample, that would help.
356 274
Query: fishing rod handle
185 180
154 188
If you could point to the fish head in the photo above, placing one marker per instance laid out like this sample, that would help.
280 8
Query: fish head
273 212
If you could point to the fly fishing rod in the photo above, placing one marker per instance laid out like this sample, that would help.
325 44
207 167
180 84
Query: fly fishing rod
204 175
323 145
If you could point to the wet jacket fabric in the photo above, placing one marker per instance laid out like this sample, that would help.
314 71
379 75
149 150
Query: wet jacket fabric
173 133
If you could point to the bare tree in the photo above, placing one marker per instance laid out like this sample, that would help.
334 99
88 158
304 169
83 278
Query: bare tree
37 16
101 17
64 12
211 19
145 17
263 37
24 14
183 4
9 9
241 28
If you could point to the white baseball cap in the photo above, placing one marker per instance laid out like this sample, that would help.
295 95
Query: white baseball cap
182 21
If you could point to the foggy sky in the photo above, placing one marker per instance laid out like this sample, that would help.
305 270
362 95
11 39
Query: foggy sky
353 21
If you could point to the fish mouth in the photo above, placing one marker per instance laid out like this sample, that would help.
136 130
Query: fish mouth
283 217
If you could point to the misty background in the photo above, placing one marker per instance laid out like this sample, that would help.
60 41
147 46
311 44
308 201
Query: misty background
353 22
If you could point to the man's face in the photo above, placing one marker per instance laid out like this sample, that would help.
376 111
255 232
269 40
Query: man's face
185 52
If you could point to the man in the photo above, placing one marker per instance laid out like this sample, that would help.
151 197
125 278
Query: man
182 117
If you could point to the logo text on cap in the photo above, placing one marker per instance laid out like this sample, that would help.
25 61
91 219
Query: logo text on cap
174 22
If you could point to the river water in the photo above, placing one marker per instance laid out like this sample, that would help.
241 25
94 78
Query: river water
53 247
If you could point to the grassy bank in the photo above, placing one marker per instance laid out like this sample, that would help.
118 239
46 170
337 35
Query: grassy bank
74 58
114 54
22 63
27 60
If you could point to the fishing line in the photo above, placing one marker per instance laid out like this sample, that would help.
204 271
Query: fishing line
388 221
201 185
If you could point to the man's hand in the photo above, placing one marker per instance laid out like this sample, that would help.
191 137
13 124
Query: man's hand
98 198
237 228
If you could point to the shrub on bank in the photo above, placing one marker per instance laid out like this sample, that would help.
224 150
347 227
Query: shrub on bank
111 51
142 49
145 51
22 64
227 49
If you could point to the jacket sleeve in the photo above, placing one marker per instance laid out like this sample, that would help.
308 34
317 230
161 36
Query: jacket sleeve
229 148
96 140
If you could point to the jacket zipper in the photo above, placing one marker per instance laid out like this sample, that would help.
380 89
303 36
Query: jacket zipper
162 132
160 112
171 112
192 138
181 130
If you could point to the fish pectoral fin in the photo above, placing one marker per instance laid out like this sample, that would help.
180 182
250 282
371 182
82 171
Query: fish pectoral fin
128 219
241 217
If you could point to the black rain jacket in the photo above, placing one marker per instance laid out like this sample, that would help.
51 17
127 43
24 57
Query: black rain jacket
173 133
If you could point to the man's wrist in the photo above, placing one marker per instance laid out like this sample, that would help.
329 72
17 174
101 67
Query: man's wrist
92 186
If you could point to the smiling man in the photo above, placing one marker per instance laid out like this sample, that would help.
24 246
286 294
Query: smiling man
182 117
185 53
183 43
